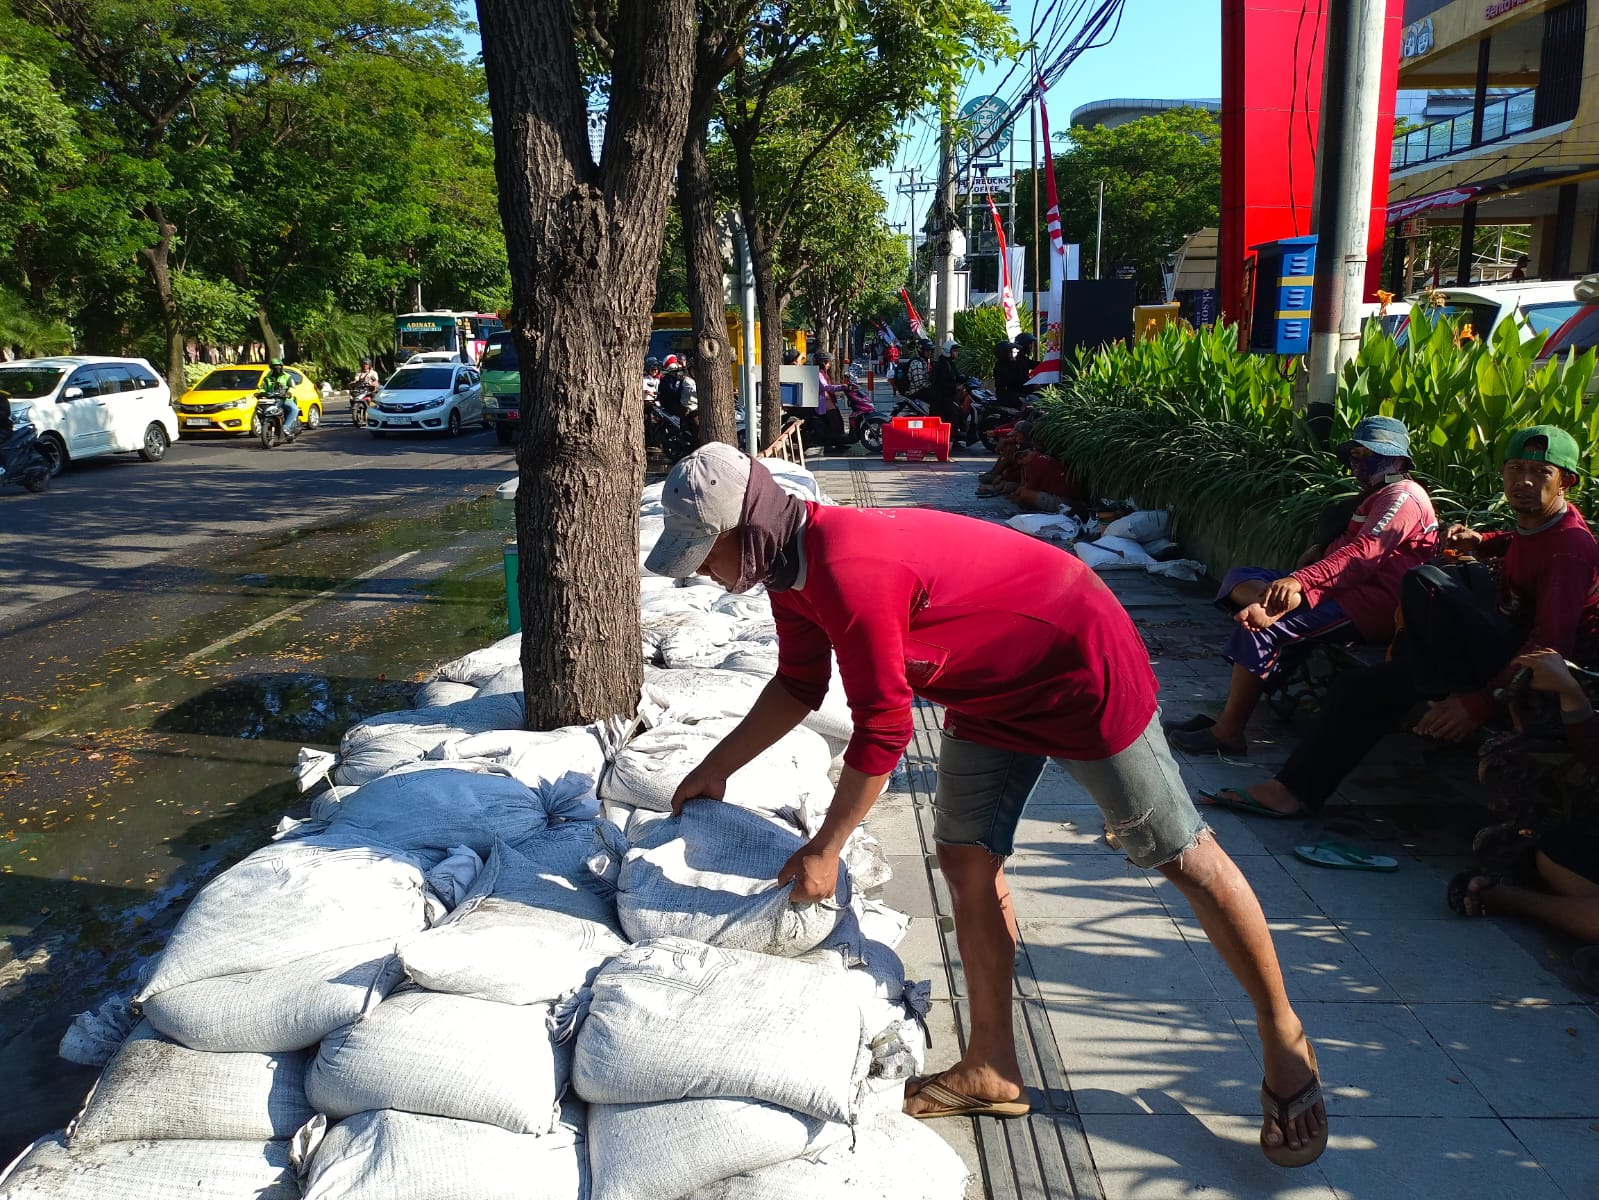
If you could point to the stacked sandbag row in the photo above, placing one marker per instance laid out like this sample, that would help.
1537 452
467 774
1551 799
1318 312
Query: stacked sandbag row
414 991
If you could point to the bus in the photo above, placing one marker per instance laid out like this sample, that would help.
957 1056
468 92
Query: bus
463 335
673 333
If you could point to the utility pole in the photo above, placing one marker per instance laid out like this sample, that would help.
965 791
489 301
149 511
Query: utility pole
1099 230
914 188
945 220
1345 161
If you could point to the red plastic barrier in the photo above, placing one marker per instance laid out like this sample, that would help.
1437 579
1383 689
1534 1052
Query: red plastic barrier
921 436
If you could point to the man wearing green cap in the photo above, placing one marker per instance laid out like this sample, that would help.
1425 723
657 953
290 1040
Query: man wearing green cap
1547 596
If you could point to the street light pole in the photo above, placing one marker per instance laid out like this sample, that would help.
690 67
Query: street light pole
1099 230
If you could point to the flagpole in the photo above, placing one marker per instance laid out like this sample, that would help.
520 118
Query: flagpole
1032 138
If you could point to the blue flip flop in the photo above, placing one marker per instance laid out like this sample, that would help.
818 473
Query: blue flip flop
1344 858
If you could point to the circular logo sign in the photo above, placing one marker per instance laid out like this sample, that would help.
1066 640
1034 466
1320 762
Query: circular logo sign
984 115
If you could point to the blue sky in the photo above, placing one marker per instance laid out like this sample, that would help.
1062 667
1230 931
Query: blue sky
1164 49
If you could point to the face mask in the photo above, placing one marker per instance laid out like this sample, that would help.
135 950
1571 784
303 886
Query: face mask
1374 471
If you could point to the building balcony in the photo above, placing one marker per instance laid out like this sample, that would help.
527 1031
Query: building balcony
1502 117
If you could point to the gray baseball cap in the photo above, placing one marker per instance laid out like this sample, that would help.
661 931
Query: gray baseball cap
703 498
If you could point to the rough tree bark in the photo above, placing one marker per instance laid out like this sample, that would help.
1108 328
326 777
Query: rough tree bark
583 240
702 251
157 260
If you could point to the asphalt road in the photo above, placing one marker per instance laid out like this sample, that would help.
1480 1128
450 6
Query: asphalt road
119 525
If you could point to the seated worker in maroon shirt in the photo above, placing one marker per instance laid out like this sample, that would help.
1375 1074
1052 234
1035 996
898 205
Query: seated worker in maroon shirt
1033 658
1547 598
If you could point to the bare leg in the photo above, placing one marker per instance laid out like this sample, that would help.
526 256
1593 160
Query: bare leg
1562 880
1243 694
985 931
1573 908
1227 909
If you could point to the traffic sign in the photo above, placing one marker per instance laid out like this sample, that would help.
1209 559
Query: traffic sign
989 136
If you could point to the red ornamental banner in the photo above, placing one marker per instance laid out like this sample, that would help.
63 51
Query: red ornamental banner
1007 298
917 328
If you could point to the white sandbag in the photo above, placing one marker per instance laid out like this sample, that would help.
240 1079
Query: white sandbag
752 609
287 902
524 936
476 667
699 695
1059 527
672 1019
661 1151
794 479
441 692
1186 569
388 1155
507 681
1126 549
880 923
1097 558
646 770
894 1156
893 1012
677 599
291 1007
650 503
563 765
833 719
564 848
753 658
1146 525
161 1170
446 1056
451 881
382 743
429 806
155 1089
97 1034
711 875
1158 546
678 636
650 529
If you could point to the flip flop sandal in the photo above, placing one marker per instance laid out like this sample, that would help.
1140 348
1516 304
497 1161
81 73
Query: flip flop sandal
1345 858
1203 741
1241 801
951 1103
1192 725
1283 1112
1460 892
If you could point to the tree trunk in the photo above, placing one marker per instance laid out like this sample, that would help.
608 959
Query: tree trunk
268 334
156 258
583 242
702 251
768 304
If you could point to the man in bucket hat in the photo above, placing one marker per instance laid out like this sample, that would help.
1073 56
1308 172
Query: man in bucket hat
1033 658
1346 592
1455 649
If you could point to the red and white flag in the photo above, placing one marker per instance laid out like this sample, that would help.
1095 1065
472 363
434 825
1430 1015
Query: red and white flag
1048 369
1007 297
917 328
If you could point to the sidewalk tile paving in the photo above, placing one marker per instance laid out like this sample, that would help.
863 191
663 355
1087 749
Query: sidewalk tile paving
1461 1058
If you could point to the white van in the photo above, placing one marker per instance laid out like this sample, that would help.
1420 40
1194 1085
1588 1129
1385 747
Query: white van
86 406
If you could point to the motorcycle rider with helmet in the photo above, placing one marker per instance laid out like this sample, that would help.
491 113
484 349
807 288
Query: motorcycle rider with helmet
652 378
943 390
277 384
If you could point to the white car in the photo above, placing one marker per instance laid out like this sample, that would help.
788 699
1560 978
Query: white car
84 406
433 356
1538 307
427 398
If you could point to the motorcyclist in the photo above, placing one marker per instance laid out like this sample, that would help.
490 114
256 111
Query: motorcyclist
652 378
1005 371
366 380
828 396
944 388
915 374
278 385
1022 365
669 389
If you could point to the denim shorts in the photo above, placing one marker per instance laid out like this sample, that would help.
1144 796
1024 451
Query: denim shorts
982 791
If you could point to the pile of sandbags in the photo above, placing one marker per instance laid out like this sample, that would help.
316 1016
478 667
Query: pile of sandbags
453 978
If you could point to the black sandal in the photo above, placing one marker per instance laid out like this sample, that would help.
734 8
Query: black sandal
1461 892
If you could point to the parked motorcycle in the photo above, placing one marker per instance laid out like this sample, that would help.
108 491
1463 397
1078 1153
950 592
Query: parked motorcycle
270 413
665 433
22 461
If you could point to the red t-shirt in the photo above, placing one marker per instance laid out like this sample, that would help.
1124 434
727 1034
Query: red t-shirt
1025 647
1549 586
1042 473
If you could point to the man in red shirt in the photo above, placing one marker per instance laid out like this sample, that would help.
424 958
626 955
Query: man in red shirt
1033 658
1548 597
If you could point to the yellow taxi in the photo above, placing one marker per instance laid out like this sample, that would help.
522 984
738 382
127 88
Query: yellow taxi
224 401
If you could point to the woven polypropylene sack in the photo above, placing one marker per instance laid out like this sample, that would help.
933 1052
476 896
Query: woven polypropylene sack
155 1088
662 1151
711 875
563 765
285 1008
476 668
672 1019
894 1156
444 1056
437 806
698 695
290 901
159 1170
381 743
523 936
441 692
388 1155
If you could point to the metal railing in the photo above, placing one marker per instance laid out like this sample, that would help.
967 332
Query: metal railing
1502 117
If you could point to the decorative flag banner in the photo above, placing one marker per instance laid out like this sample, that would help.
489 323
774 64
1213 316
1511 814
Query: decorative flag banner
1048 370
917 328
1007 298
887 334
